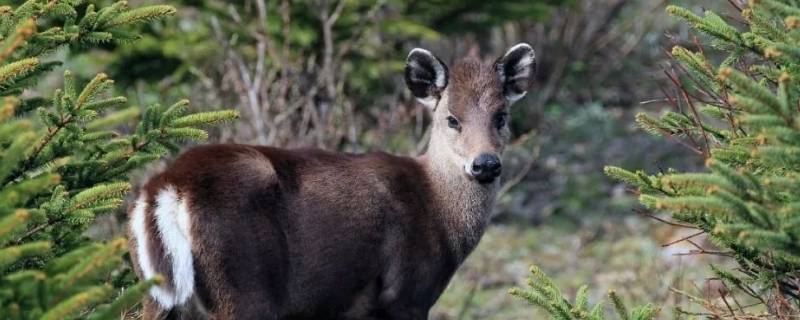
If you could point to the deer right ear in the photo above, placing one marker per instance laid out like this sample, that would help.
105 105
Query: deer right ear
426 76
516 70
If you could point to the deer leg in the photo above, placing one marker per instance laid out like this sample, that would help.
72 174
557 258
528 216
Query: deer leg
152 311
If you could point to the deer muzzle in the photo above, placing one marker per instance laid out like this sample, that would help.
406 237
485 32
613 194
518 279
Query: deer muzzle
485 168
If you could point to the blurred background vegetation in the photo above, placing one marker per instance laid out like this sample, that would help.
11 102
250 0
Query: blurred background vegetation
327 73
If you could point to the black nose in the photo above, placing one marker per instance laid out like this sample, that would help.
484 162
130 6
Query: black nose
486 167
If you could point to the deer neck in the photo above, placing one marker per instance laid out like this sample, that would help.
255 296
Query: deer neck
462 205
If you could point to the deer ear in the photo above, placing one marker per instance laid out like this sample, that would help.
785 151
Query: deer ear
426 76
516 70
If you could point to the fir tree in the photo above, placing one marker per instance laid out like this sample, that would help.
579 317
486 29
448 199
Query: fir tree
743 115
544 293
62 162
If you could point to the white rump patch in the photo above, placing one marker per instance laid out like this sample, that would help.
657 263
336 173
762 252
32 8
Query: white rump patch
173 224
139 228
172 219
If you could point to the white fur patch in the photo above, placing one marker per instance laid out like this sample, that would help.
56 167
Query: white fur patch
172 219
441 77
518 46
429 102
513 97
138 226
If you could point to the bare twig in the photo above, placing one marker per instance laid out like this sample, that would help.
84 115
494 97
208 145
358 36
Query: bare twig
530 160
683 239
652 216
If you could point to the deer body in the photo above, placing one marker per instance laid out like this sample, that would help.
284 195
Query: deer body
252 232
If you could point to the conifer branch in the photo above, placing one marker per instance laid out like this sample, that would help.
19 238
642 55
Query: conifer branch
55 178
747 199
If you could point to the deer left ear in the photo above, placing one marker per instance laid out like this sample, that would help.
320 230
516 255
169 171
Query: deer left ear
426 77
516 70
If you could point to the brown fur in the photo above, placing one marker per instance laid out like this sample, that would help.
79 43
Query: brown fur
474 100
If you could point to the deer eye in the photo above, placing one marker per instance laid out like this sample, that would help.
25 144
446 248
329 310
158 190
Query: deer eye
452 122
500 120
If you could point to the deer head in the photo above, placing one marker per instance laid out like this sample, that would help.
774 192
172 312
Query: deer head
470 106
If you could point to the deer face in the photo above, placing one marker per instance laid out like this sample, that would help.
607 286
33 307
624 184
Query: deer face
470 106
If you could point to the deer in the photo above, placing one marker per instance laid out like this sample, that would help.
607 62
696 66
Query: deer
256 232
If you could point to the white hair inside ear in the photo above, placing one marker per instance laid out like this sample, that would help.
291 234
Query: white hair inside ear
516 69
524 63
426 76
441 75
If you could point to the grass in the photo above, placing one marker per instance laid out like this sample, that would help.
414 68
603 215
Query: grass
621 254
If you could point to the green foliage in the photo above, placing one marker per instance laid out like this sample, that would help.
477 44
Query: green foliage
546 295
460 16
62 163
369 39
742 115
748 127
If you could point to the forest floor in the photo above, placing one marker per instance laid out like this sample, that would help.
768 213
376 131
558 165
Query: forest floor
624 254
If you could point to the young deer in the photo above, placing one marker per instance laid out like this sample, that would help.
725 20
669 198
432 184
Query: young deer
253 232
